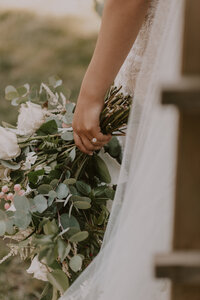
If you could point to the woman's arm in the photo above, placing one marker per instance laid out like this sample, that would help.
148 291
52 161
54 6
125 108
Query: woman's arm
121 22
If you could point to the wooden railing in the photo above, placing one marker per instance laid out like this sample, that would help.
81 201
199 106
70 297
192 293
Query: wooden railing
182 266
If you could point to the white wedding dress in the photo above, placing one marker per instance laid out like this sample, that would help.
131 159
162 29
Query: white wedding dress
141 221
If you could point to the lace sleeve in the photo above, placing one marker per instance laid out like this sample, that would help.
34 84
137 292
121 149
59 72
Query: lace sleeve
130 69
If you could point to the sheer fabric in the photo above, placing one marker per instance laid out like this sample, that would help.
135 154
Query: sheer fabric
141 220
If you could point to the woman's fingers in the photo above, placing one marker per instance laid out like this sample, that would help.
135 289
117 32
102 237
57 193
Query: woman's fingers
88 144
90 138
80 145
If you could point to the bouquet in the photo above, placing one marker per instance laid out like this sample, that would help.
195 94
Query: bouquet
55 200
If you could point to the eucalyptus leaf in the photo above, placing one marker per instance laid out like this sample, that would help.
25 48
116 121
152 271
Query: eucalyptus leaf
75 263
44 189
23 90
2 228
59 280
63 249
22 220
40 203
110 193
83 188
101 169
43 239
33 207
67 136
11 93
79 237
70 107
3 219
10 165
82 205
52 254
113 147
69 181
52 195
50 227
68 118
76 198
69 221
62 191
9 226
22 204
54 183
3 215
73 190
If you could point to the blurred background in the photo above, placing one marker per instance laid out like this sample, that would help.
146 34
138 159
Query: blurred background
39 39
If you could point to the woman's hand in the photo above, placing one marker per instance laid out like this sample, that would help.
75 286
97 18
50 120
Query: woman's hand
87 132
120 25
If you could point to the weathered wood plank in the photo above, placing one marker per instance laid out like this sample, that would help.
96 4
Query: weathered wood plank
184 99
191 48
180 267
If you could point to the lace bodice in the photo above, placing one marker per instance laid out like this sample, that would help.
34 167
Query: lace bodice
128 73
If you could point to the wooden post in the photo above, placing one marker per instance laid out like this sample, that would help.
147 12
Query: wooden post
182 266
191 47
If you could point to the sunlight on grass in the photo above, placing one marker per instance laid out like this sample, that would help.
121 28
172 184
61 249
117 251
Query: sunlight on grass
33 48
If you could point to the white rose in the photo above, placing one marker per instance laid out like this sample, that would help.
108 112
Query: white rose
30 118
38 270
8 144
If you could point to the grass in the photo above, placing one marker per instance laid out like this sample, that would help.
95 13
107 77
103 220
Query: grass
15 283
31 49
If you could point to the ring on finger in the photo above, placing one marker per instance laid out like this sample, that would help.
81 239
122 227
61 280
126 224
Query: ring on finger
94 140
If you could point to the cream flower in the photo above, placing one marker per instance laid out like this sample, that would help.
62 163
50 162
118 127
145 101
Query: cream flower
8 146
30 160
38 270
30 118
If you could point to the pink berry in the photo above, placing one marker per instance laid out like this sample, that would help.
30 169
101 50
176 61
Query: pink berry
1 195
6 206
10 196
21 192
17 187
5 189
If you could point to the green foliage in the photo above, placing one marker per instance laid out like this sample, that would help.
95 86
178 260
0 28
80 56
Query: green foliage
62 191
40 203
101 169
50 127
64 211
75 263
59 280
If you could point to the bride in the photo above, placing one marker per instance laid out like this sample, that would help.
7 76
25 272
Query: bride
141 219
